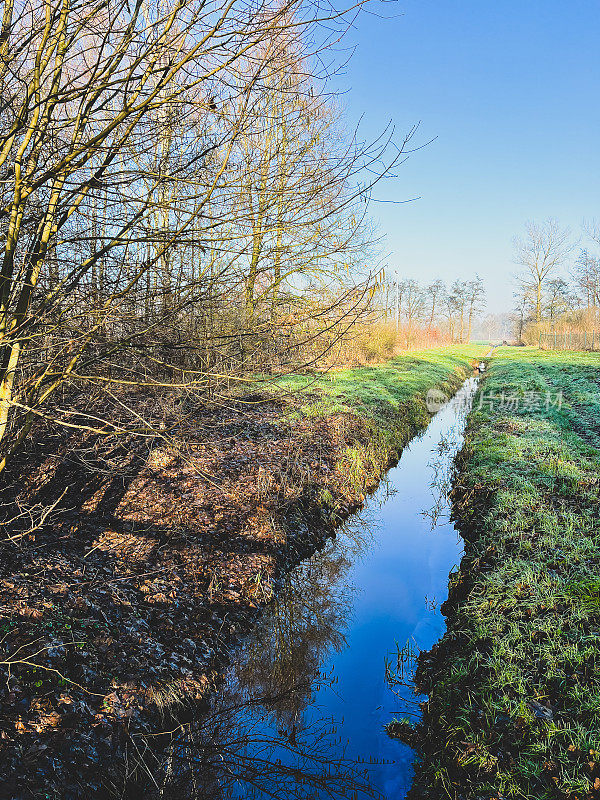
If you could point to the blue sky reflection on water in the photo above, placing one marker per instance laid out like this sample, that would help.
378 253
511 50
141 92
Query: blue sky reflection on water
305 705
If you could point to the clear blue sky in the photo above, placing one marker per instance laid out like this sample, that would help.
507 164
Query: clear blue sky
511 90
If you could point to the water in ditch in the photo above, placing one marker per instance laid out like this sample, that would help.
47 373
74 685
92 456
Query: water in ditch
302 712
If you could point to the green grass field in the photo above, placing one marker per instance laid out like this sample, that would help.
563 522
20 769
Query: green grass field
514 688
371 390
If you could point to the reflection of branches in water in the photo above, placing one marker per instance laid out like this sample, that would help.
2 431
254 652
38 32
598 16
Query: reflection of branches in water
305 623
400 676
442 465
384 492
255 742
442 468
278 674
281 660
359 530
236 753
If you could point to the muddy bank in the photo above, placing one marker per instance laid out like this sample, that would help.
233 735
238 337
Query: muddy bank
120 604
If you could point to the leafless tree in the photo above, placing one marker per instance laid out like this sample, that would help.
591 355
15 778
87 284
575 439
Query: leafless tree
587 276
475 293
541 252
559 299
522 314
435 294
457 307
84 87
414 307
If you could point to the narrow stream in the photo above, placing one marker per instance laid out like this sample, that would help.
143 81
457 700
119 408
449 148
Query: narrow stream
302 712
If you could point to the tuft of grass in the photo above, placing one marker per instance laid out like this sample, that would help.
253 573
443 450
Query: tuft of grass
167 696
514 685
586 592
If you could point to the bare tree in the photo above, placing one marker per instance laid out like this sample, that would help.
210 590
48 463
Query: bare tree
457 306
414 306
398 290
522 313
587 276
559 299
541 252
435 294
475 292
86 86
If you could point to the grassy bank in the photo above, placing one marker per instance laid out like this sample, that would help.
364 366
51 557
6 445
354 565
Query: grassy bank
514 686
382 407
125 602
382 388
